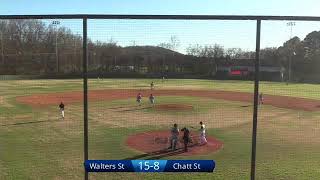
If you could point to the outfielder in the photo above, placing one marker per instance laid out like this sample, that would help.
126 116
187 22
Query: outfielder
203 139
152 85
61 106
174 137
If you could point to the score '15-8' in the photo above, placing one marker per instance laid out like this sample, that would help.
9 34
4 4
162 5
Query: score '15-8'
145 165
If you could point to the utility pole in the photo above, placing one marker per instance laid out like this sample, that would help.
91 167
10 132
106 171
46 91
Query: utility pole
291 24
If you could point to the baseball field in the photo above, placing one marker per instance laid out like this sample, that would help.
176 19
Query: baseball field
36 143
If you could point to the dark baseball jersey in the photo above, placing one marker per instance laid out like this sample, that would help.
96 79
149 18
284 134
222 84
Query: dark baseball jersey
61 106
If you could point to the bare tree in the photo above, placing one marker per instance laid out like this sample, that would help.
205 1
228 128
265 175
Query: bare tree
233 53
173 44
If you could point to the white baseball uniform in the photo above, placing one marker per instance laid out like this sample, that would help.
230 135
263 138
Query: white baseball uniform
203 138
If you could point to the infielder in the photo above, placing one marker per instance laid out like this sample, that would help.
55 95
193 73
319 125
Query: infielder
151 98
203 139
260 98
61 106
139 98
174 137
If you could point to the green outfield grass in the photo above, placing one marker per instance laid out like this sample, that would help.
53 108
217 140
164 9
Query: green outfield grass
44 86
35 144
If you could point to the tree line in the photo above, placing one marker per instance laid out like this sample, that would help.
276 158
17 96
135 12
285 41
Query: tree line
300 58
30 46
35 47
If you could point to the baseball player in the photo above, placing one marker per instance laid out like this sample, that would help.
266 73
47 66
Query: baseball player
203 139
174 137
186 138
152 85
139 98
260 98
61 107
151 98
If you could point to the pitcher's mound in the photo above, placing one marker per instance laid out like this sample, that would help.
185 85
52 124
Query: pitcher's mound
157 143
174 107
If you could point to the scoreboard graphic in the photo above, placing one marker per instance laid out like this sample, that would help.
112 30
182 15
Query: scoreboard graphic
150 165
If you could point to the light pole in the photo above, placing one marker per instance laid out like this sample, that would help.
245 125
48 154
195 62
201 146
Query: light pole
290 64
290 24
55 24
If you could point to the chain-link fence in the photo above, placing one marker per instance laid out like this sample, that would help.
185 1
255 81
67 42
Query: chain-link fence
78 87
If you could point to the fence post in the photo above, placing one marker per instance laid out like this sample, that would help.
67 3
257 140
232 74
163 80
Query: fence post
255 101
85 92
